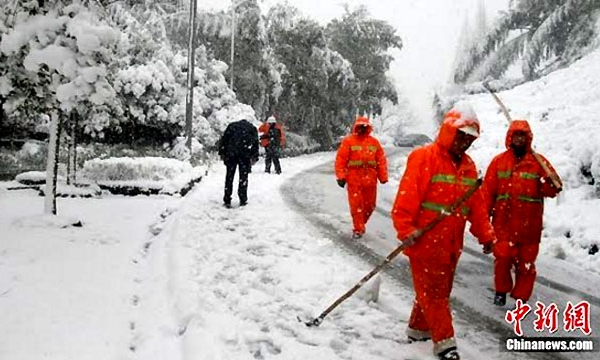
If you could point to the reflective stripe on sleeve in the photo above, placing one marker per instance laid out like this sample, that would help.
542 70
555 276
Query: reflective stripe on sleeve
529 199
503 174
502 197
529 176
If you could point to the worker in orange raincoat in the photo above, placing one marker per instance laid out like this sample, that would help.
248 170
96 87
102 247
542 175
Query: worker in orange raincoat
515 186
436 176
359 162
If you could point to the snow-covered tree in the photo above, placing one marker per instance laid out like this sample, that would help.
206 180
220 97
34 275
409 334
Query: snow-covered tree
544 35
365 42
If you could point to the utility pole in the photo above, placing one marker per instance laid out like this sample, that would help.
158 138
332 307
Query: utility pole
233 6
190 80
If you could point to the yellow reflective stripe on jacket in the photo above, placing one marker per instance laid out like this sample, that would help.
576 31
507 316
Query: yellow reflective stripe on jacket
520 197
502 197
529 199
355 148
468 181
503 174
372 148
451 179
529 176
433 206
464 210
443 178
359 163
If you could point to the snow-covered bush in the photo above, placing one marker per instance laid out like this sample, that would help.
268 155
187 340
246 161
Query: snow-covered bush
149 175
180 151
31 178
148 93
124 169
297 145
63 190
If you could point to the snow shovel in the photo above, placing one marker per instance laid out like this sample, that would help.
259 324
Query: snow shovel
553 177
448 211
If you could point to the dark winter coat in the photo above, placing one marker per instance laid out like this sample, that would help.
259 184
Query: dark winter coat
272 135
239 142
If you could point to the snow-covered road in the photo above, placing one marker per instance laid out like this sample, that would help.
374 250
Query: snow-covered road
208 282
483 323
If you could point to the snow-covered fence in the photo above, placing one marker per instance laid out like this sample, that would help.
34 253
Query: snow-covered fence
145 175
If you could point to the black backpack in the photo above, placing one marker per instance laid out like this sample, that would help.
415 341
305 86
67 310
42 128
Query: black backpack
274 135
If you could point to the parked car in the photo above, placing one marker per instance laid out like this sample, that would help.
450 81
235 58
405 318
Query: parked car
412 140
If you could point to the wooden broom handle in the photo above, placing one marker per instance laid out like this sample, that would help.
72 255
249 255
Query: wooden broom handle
551 174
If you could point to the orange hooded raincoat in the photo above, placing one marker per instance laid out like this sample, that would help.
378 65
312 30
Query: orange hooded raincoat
432 182
360 160
515 192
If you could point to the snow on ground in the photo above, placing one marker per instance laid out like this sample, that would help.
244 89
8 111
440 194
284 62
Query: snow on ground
215 283
240 277
66 292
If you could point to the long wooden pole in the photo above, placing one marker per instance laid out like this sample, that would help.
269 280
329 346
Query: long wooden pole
441 216
551 174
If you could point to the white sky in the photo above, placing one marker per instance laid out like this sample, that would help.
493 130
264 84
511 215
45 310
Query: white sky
429 30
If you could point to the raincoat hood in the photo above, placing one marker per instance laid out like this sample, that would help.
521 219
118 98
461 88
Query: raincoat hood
462 117
519 125
362 120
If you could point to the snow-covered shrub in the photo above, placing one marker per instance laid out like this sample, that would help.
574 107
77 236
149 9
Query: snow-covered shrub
180 151
125 169
63 190
134 176
297 145
33 155
31 178
148 93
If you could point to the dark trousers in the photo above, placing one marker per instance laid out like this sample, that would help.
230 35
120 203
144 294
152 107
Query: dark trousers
272 155
244 165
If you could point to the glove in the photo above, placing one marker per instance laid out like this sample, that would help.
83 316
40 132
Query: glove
254 161
412 238
341 182
489 247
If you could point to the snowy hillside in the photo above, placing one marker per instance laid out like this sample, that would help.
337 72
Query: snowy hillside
562 109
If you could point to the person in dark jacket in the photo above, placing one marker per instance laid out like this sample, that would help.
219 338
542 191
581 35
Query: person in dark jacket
238 147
